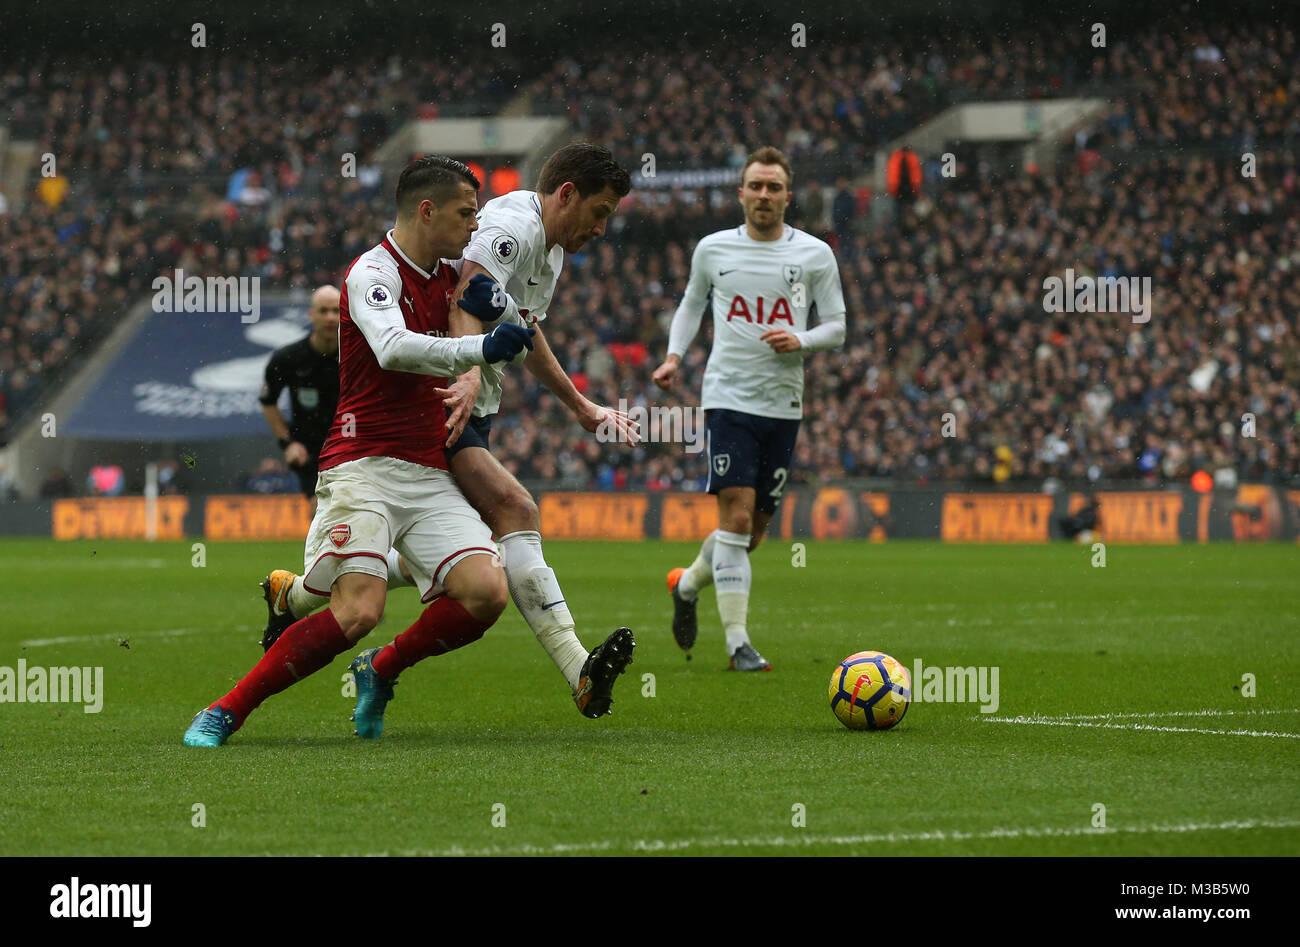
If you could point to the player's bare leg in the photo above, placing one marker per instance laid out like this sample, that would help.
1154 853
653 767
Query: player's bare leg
474 596
510 511
357 601
306 646
732 574
287 599
512 514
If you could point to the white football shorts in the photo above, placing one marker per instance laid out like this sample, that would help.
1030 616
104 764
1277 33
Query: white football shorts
366 506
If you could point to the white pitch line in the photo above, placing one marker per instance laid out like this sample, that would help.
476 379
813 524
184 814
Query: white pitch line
1162 713
1088 621
130 636
1056 722
803 841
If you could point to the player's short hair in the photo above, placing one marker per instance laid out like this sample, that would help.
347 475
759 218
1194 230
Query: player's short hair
591 168
431 177
769 155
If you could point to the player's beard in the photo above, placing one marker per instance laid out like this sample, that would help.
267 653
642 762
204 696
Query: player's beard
766 221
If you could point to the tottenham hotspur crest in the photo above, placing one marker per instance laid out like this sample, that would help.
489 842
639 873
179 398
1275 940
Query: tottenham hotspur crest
792 272
721 464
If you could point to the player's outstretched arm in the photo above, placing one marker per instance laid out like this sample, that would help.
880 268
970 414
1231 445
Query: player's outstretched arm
546 368
686 320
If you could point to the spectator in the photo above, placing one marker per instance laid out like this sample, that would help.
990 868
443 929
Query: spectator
8 489
843 210
271 476
812 205
58 484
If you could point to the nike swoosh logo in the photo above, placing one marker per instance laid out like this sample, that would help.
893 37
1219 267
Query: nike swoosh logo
532 282
720 568
725 272
549 605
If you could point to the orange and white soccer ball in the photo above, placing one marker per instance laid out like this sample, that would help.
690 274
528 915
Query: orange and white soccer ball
870 691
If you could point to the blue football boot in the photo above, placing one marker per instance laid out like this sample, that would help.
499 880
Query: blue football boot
211 727
373 695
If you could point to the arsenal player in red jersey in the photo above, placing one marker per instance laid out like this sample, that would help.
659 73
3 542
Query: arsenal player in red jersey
383 472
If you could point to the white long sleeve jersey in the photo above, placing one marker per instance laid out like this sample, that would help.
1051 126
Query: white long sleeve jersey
757 286
510 243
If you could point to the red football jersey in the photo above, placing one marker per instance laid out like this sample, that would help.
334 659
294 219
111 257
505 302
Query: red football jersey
383 413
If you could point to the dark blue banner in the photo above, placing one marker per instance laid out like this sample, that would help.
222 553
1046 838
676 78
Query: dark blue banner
188 376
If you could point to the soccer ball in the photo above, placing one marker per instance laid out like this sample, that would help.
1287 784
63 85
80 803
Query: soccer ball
870 691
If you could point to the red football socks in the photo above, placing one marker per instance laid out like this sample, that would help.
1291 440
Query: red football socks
443 626
304 648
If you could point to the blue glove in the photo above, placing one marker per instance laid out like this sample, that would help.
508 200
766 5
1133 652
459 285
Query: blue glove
484 299
506 341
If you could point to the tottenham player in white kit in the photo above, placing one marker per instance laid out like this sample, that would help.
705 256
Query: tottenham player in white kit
764 277
520 245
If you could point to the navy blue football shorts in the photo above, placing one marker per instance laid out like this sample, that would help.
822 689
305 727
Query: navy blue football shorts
476 433
746 450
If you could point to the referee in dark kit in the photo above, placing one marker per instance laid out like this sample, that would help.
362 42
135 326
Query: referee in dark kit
310 369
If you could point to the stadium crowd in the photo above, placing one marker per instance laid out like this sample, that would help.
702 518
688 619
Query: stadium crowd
944 293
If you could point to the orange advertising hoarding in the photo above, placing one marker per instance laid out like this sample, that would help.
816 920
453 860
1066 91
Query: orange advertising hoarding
1135 516
281 516
117 518
688 516
594 515
996 517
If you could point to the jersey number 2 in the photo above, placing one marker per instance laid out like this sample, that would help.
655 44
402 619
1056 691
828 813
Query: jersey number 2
779 474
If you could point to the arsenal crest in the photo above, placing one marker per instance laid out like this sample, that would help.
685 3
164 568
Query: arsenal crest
340 535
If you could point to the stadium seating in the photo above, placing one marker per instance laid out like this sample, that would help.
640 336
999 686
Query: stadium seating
944 295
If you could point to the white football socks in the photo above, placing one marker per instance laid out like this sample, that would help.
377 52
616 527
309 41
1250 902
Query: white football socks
395 577
699 574
733 576
301 602
538 597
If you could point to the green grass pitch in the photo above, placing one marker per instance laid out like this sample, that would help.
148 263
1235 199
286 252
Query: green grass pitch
714 762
